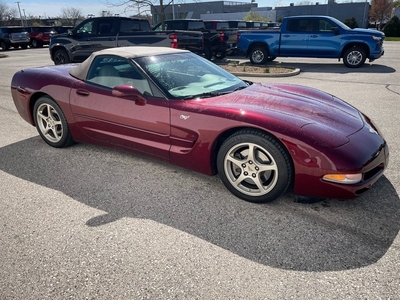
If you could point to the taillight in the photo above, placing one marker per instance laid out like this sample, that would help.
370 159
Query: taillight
221 36
237 37
174 40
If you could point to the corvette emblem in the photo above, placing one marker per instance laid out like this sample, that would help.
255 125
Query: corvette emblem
183 117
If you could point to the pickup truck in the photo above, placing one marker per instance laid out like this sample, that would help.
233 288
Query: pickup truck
219 39
312 36
95 34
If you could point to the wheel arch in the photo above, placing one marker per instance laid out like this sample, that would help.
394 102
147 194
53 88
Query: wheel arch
34 98
356 44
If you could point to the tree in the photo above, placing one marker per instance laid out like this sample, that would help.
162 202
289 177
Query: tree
352 23
71 15
254 16
7 14
149 6
381 10
392 28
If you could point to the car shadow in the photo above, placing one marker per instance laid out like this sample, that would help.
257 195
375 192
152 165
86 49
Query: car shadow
329 235
334 68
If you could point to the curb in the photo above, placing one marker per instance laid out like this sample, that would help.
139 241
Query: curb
295 71
3 55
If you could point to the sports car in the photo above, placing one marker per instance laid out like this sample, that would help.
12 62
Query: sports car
173 105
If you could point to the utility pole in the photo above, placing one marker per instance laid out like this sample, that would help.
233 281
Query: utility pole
20 15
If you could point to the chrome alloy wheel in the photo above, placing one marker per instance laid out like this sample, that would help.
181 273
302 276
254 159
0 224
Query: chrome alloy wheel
49 123
354 57
251 169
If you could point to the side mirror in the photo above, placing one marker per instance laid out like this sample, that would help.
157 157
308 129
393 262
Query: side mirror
69 31
335 30
123 91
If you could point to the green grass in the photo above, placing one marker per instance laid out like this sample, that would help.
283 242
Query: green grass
392 39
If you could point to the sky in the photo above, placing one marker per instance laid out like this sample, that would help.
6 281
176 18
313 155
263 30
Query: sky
52 8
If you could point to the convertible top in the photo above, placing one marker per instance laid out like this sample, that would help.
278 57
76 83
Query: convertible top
82 69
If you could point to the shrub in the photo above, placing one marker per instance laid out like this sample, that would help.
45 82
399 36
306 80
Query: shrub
392 28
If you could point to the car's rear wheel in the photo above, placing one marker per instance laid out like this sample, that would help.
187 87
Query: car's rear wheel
61 57
51 123
354 57
208 52
254 166
258 55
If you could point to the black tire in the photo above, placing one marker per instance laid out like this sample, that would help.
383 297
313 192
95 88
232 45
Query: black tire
354 57
261 176
24 46
51 123
208 52
258 55
61 57
220 55
36 44
4 46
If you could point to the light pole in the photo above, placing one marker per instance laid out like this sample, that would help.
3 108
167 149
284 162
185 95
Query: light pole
173 10
20 15
26 22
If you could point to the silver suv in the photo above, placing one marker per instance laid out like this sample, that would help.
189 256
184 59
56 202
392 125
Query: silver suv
14 37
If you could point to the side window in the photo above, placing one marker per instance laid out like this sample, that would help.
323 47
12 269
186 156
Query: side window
111 71
325 26
106 27
301 25
86 27
132 25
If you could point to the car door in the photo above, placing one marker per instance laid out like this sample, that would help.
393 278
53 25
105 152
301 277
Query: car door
93 35
294 38
323 42
121 121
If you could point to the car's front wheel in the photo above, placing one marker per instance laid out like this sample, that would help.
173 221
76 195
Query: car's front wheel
254 166
61 57
4 46
51 123
354 57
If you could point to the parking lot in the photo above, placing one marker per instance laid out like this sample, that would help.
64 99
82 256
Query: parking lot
87 222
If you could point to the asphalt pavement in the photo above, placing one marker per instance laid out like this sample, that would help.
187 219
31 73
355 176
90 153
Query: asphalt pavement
87 222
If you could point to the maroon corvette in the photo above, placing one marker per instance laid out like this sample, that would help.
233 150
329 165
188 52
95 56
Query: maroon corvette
175 106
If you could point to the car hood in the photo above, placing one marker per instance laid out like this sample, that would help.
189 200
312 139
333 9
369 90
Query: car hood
309 109
367 31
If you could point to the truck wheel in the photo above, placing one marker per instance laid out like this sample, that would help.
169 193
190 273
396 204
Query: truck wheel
36 44
220 55
61 57
4 46
354 57
258 55
208 52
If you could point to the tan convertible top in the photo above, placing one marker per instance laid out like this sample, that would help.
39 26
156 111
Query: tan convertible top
82 69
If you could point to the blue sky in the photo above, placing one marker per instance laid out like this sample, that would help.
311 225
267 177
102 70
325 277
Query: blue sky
52 8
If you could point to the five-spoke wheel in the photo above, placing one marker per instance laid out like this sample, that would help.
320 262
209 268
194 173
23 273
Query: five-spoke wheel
51 123
254 166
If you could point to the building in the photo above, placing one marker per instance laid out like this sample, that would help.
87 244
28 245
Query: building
340 11
231 10
195 10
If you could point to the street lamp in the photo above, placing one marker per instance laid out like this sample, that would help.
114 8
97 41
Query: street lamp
20 15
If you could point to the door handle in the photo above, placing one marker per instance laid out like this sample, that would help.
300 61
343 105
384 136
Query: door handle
84 93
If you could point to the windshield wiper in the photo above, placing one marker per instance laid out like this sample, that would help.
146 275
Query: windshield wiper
205 95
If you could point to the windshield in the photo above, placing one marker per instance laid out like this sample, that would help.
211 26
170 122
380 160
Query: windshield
187 76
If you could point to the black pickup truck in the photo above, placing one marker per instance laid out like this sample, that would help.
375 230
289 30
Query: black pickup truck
219 39
95 34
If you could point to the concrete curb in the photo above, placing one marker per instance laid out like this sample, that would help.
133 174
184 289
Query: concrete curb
295 71
3 55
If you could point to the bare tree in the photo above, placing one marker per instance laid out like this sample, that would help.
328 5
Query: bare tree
380 11
147 6
7 14
71 15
